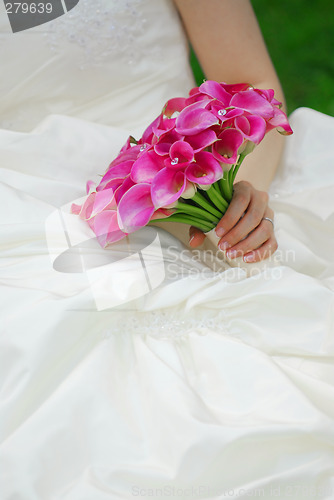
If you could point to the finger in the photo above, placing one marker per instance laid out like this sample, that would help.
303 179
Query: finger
253 241
263 252
251 220
196 236
237 207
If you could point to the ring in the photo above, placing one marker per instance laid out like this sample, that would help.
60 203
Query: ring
270 220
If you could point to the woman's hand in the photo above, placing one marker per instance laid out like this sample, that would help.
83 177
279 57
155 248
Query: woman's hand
242 229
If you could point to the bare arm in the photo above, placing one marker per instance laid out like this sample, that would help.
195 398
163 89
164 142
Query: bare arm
229 45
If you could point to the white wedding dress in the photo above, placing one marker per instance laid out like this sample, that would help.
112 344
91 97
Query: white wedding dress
150 374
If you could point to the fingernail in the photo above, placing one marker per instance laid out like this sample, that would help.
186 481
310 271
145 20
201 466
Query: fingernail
248 258
231 254
224 246
219 232
191 239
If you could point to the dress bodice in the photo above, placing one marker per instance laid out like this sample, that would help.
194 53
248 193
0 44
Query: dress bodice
111 61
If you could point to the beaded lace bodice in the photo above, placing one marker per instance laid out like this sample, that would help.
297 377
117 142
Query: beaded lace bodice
115 62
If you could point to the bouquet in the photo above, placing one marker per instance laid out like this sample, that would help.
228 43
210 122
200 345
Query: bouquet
184 165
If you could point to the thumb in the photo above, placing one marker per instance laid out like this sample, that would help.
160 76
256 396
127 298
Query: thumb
196 236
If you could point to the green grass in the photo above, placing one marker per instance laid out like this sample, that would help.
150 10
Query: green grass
300 38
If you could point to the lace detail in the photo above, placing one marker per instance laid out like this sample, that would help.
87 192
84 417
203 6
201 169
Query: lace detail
102 30
164 324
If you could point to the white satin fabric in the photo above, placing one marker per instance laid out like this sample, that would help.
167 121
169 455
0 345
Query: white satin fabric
155 372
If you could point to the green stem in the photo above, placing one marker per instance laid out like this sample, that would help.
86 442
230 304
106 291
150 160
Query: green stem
218 200
225 187
202 202
236 168
204 226
196 212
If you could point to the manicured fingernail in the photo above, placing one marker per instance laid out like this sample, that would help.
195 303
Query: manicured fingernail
224 246
219 232
249 258
231 254
191 239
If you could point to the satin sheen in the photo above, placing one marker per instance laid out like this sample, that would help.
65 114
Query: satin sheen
207 384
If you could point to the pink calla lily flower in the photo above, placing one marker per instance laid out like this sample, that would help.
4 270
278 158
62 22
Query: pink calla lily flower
148 133
118 172
254 103
165 126
205 171
162 147
216 91
280 122
181 154
167 187
202 140
106 228
252 127
135 208
96 202
225 115
225 150
129 154
123 188
174 105
194 119
234 88
146 167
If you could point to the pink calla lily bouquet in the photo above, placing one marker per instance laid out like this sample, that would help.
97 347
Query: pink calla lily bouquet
184 165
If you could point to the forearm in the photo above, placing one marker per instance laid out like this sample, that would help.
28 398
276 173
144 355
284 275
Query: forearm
230 47
260 166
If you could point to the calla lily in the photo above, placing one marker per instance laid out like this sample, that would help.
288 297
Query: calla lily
75 209
135 208
162 213
167 187
119 171
216 91
174 105
266 93
189 190
200 141
254 103
90 186
148 133
106 228
234 88
165 126
146 167
194 119
113 184
181 154
127 155
225 115
205 171
198 97
252 127
162 147
96 202
123 188
280 122
225 150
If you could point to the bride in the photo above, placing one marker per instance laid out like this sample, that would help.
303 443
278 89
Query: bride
141 370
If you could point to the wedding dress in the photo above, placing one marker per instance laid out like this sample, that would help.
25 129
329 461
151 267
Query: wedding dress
147 371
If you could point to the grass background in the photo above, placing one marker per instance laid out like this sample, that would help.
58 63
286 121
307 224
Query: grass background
300 38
